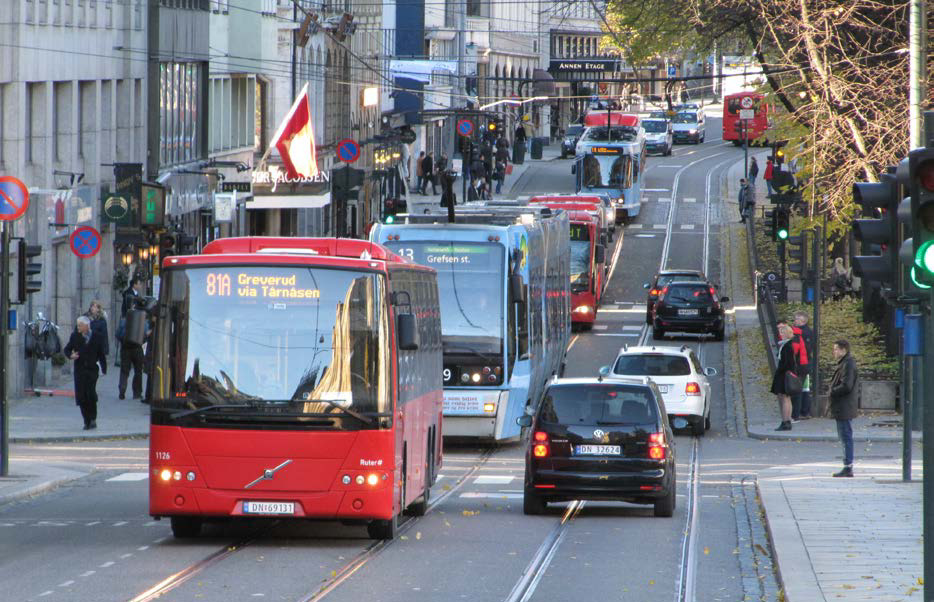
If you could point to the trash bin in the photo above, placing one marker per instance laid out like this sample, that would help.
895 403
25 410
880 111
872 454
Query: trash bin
536 148
518 152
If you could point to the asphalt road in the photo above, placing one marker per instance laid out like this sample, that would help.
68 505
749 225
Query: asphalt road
92 540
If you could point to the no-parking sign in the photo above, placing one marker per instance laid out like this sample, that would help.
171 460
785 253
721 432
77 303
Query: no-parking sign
85 242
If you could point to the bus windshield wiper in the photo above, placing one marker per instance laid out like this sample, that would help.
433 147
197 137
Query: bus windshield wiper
333 403
449 348
217 406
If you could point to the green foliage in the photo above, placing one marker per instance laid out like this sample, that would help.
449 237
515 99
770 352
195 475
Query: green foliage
766 249
121 278
648 29
844 320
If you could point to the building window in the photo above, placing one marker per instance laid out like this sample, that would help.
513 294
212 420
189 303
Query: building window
27 120
180 102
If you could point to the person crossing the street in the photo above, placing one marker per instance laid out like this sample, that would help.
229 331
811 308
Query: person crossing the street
86 349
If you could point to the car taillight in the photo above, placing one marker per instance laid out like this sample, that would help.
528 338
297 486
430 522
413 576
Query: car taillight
654 291
662 293
692 389
657 446
540 449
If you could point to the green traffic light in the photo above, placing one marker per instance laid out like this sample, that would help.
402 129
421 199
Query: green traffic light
782 234
924 258
390 219
917 281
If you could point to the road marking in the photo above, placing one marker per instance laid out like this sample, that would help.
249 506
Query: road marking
87 573
619 247
645 235
573 340
624 334
127 555
656 190
689 199
46 593
107 564
634 226
482 495
494 480
130 476
631 327
660 226
142 548
120 524
599 327
664 199
678 166
687 226
67 583
151 523
91 524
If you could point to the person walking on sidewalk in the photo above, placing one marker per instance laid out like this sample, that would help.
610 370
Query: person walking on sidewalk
767 176
805 336
746 201
98 319
85 347
843 402
753 171
428 171
131 354
786 364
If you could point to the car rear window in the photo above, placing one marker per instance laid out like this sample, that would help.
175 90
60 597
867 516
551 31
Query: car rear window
575 130
652 364
604 403
666 279
688 292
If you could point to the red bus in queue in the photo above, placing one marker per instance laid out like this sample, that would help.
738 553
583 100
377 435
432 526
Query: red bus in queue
588 261
295 378
606 211
733 104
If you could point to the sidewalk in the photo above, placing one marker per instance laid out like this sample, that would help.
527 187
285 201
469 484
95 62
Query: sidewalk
419 202
833 539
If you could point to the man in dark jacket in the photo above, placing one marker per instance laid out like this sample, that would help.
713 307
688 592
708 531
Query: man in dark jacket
428 169
844 387
86 349
131 355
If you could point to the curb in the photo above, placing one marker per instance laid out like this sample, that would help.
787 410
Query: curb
81 438
826 438
40 488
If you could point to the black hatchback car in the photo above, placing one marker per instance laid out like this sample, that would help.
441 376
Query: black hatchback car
600 439
688 306
662 279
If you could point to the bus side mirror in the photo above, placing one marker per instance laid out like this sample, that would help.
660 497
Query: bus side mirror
135 327
524 420
599 254
407 332
517 288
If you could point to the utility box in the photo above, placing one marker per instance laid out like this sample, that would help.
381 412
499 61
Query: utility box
878 394
536 148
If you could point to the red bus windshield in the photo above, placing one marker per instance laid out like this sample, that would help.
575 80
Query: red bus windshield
294 341
580 257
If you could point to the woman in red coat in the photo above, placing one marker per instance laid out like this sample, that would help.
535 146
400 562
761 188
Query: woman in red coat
767 176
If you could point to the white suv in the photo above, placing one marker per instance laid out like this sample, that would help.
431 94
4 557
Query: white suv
680 377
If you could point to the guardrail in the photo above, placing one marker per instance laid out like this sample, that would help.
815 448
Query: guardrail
765 295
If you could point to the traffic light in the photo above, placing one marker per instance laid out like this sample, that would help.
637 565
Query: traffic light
797 249
779 157
390 207
917 172
878 198
167 245
771 221
492 126
28 270
782 226
186 244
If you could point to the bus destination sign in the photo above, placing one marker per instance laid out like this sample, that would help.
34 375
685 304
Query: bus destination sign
255 287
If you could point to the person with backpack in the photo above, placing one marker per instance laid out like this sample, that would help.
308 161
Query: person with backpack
131 354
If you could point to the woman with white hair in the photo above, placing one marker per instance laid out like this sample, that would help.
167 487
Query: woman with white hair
86 348
786 364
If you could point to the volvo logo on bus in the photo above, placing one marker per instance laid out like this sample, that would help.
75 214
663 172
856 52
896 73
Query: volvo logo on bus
267 475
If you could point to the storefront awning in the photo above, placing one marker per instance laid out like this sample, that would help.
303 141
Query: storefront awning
281 201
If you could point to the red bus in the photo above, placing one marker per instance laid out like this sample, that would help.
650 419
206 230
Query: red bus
295 378
607 213
733 104
598 118
588 260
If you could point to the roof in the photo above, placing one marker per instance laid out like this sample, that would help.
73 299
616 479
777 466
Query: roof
677 272
683 350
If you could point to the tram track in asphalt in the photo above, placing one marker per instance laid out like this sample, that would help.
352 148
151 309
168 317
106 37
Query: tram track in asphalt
525 587
372 550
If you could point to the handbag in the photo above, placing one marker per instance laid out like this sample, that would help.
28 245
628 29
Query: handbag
509 169
793 383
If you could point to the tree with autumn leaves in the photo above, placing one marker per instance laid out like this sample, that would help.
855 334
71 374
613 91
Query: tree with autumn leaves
837 72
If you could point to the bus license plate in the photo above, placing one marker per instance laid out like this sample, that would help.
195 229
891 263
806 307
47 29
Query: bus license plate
268 507
597 450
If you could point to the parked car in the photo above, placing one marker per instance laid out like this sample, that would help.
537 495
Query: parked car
569 142
689 306
661 280
680 378
600 439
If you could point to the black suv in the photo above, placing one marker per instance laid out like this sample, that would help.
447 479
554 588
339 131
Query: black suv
688 306
600 439
661 280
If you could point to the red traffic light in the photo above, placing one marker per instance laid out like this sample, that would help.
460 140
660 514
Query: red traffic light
926 175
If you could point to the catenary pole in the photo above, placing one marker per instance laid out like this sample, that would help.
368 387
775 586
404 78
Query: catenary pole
917 66
4 347
928 430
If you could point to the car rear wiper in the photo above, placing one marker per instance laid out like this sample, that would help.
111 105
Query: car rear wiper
614 422
217 406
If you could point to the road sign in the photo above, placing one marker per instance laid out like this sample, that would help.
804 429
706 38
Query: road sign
85 242
465 127
747 114
348 150
746 102
14 199
116 208
672 70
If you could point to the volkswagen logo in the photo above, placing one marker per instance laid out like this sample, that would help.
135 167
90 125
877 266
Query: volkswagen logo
599 434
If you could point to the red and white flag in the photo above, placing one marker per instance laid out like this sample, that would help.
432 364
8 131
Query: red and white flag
295 139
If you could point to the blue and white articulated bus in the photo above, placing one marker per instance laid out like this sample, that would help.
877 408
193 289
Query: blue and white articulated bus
503 277
610 161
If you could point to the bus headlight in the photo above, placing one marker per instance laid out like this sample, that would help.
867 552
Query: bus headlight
489 408
166 474
475 377
583 309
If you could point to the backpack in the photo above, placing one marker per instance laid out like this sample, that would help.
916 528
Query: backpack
121 329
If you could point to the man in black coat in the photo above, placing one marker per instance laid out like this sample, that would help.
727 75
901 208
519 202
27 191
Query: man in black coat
86 348
131 355
844 388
